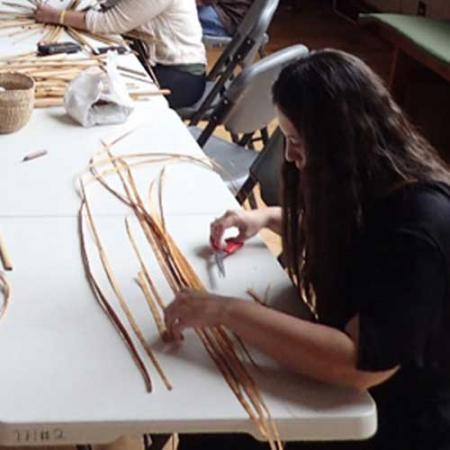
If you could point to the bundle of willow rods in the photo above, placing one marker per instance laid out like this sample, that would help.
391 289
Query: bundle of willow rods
52 74
20 19
218 342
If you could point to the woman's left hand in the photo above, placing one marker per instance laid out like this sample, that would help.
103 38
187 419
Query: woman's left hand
191 309
47 14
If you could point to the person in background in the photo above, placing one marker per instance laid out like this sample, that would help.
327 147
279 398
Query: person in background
365 223
176 51
221 17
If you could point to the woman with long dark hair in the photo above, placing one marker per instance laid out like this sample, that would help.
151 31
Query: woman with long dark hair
365 223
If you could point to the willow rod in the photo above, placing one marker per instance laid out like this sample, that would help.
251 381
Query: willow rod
117 291
106 306
140 211
222 340
157 317
4 255
145 273
178 265
52 75
180 274
6 292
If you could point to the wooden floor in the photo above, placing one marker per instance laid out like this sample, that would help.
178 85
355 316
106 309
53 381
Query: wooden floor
314 24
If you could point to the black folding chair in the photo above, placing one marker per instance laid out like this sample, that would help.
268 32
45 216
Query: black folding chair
245 108
239 53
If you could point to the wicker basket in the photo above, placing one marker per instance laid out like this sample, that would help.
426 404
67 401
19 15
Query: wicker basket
16 101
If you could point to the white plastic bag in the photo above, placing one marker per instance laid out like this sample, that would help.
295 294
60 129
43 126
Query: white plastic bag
96 97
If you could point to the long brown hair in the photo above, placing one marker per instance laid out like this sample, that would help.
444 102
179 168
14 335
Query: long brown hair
359 146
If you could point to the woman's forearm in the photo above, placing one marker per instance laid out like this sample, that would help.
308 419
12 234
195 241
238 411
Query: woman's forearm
273 218
126 15
75 19
318 351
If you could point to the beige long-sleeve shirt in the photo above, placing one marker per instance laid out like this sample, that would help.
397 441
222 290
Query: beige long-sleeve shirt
174 25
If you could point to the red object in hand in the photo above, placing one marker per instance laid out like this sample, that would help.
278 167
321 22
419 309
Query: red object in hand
231 245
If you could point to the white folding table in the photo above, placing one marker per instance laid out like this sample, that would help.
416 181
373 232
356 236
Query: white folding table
66 375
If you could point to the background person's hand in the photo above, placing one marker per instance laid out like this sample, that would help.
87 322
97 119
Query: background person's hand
248 224
47 14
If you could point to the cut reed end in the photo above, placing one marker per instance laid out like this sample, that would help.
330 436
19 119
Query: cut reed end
4 256
167 337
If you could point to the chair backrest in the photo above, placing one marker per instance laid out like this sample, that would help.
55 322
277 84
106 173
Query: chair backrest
266 169
248 100
258 33
250 32
241 51
247 104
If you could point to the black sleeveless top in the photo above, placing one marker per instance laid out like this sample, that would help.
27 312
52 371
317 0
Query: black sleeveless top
400 287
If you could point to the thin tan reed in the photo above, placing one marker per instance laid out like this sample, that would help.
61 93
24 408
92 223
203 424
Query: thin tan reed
4 255
5 289
179 273
52 75
104 303
117 291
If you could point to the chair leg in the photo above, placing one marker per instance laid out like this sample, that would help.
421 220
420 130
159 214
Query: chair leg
245 140
84 447
264 135
138 47
262 51
206 133
234 138
147 440
252 200
216 91
155 441
245 191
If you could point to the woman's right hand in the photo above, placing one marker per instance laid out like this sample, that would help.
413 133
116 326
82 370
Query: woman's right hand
248 224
